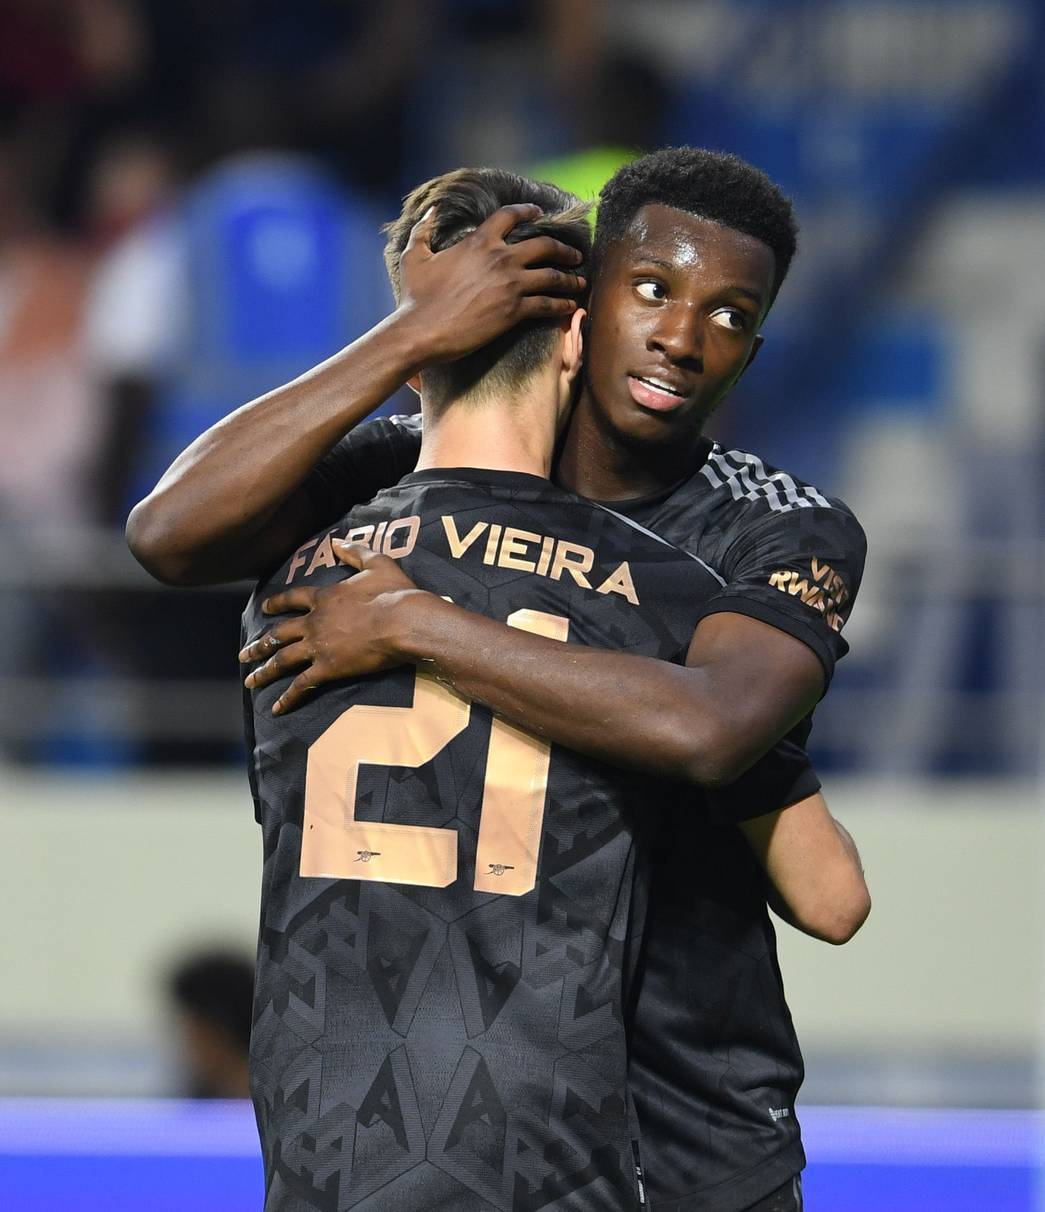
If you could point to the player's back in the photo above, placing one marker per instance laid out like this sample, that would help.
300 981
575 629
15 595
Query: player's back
446 899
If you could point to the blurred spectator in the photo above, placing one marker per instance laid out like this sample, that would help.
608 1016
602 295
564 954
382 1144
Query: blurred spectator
134 307
45 404
330 78
70 74
326 77
506 82
212 994
208 296
624 117
133 228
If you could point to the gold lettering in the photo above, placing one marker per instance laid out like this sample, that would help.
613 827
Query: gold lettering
359 534
335 844
821 570
324 556
515 789
574 559
513 547
411 525
459 546
332 839
545 558
300 559
826 595
491 544
379 534
619 581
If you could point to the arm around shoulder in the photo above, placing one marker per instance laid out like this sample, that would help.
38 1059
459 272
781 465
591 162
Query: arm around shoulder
233 503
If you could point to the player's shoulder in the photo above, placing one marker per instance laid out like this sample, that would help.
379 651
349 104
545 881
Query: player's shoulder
629 529
736 508
747 495
757 489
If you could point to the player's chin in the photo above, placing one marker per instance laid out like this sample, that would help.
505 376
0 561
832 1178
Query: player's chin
656 427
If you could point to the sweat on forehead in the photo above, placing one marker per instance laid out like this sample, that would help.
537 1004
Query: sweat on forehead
683 235
711 185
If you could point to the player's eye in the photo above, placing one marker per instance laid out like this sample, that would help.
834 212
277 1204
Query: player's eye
652 290
730 318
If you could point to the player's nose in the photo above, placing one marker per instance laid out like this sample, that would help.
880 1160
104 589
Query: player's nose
680 336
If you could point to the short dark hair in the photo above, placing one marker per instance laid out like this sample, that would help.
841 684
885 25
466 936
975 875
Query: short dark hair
713 185
463 199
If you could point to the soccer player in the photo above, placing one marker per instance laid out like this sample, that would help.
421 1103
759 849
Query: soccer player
692 248
447 900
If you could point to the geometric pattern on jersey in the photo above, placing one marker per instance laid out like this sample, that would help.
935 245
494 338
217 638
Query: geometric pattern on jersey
439 1047
715 1062
707 1067
714 1049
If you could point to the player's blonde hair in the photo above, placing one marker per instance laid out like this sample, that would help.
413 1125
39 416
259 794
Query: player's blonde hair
463 199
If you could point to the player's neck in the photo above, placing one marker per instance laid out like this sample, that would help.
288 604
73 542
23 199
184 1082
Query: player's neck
595 462
493 435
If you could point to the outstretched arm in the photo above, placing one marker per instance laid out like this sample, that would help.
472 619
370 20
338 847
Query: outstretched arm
816 879
232 504
744 686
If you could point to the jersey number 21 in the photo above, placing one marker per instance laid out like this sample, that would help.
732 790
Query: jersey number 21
336 845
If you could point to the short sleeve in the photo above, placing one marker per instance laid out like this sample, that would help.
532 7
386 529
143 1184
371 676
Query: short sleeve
781 777
373 456
798 570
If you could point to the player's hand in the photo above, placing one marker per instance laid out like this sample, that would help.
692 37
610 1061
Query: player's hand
476 290
339 631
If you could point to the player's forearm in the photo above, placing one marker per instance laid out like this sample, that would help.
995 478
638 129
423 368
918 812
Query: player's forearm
848 845
816 881
681 722
834 902
212 517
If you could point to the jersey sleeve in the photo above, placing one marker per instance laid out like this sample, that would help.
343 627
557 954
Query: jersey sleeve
780 778
373 456
798 570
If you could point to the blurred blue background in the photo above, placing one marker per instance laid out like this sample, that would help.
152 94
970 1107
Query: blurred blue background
190 198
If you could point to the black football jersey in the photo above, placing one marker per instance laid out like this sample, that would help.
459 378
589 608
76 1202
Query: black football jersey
716 1065
715 1061
447 901
787 554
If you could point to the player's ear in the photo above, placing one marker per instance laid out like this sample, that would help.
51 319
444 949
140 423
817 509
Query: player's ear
573 344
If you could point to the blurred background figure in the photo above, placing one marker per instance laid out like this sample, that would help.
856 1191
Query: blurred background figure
211 994
190 197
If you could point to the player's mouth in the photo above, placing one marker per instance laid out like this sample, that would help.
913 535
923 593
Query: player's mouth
656 393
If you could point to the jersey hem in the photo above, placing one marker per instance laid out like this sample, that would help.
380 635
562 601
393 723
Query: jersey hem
736 1194
808 783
